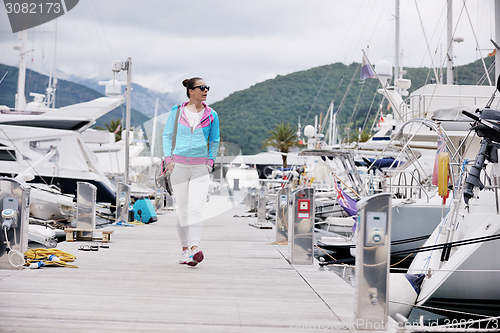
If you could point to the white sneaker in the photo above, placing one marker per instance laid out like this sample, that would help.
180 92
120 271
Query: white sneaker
196 257
184 257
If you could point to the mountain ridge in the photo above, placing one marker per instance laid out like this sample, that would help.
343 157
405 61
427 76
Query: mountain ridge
67 93
247 116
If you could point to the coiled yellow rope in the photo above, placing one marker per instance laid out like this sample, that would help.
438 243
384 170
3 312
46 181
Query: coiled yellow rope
35 255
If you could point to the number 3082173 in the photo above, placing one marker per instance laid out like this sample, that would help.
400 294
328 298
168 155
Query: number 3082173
33 8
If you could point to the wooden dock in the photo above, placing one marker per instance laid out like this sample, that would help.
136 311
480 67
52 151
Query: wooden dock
245 284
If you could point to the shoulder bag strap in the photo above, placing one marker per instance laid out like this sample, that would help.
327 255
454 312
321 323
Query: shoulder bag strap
174 137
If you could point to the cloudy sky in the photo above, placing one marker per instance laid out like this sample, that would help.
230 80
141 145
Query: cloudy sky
234 44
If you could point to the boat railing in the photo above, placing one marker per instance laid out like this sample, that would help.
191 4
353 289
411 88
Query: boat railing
402 184
419 106
407 184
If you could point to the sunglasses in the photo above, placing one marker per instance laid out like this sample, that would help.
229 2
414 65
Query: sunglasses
202 88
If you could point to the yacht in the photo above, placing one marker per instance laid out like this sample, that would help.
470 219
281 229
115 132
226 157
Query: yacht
45 145
42 144
459 258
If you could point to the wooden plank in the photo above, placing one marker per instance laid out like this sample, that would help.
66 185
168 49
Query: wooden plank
70 234
243 285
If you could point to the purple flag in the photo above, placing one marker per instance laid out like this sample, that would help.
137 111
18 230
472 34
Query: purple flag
366 69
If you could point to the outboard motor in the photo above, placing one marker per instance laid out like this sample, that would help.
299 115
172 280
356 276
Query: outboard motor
487 126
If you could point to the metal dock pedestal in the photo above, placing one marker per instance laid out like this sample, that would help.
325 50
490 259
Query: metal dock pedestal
86 208
282 215
122 202
373 245
14 205
303 226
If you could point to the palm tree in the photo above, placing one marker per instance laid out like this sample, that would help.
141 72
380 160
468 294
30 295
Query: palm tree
114 126
283 137
360 136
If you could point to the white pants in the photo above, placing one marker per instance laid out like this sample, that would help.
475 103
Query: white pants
190 235
190 184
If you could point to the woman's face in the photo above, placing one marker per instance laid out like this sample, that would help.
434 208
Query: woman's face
197 93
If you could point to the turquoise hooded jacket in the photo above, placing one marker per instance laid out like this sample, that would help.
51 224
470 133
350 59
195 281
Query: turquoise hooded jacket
199 146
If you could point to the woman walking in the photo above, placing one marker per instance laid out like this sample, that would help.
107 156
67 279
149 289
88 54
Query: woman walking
190 146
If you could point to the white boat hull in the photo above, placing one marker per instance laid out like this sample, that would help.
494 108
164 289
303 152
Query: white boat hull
468 281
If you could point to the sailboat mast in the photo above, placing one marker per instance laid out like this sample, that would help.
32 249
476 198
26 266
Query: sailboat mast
154 129
21 79
50 89
396 62
127 119
449 22
334 130
330 130
497 38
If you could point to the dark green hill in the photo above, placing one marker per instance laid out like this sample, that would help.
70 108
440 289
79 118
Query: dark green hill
246 116
67 93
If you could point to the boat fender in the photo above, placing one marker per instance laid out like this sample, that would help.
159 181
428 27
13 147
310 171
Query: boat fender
403 292
352 250
444 163
416 281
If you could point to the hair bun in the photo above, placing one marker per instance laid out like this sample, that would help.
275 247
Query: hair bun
185 82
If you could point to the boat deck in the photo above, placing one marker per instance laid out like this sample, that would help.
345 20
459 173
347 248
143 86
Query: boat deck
245 284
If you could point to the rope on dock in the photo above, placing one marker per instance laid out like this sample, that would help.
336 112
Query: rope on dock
35 256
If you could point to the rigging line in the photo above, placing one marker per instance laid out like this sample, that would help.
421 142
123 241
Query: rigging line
483 77
319 92
358 30
440 309
3 77
335 95
432 57
339 109
327 116
102 29
450 43
27 161
441 246
357 101
477 43
371 105
426 42
447 55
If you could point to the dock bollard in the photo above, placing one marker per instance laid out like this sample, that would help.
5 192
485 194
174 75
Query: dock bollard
259 201
253 199
373 247
261 205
